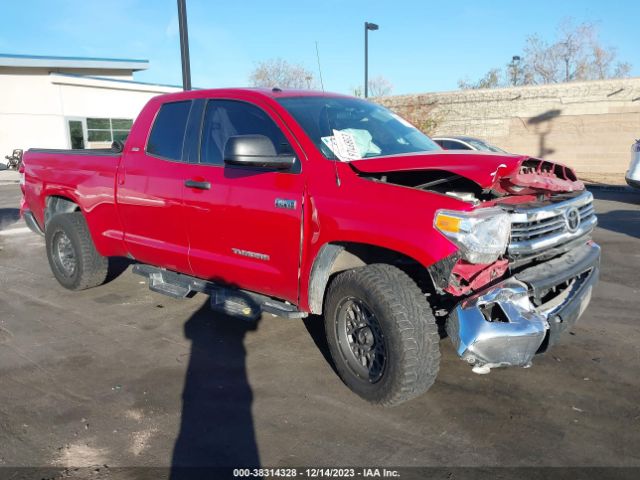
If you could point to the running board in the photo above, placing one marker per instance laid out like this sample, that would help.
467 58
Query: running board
230 301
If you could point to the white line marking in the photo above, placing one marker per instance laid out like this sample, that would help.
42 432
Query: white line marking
15 231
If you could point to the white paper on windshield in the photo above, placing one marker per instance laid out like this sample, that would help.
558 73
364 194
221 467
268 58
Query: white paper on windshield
331 143
347 146
351 144
343 145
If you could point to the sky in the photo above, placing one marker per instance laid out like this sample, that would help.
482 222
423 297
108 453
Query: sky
421 46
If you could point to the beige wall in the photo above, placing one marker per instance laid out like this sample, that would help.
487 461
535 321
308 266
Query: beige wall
34 108
587 125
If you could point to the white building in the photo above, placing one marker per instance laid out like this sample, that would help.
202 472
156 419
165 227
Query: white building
69 102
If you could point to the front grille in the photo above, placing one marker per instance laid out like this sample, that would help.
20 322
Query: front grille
536 229
523 231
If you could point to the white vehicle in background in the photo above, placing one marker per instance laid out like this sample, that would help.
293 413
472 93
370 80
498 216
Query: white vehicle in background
633 174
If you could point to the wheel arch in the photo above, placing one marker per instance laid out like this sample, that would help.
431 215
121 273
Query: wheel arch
336 257
56 204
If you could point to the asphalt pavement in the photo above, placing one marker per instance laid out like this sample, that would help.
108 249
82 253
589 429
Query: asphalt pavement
122 376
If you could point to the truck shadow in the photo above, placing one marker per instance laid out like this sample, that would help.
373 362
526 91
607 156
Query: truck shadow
315 327
216 428
8 216
625 221
117 266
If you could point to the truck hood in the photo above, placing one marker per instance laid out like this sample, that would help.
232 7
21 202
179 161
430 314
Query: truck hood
505 174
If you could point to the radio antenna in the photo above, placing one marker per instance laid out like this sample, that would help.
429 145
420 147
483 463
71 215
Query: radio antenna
319 69
326 112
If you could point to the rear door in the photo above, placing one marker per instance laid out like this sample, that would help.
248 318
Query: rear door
150 183
244 223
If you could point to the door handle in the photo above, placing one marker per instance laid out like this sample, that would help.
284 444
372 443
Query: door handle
198 185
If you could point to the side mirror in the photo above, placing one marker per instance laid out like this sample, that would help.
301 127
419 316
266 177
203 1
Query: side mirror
255 151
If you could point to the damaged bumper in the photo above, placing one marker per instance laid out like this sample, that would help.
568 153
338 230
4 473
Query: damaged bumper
508 323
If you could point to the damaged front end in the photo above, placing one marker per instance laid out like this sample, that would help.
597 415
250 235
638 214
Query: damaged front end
525 264
516 305
509 322
534 176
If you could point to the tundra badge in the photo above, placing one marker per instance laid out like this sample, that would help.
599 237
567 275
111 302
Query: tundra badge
247 253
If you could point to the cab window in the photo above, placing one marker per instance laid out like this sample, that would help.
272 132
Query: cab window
167 135
227 118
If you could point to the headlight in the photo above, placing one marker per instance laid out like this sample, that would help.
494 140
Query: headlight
481 235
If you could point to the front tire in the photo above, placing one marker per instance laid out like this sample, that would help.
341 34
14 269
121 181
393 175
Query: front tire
381 333
72 255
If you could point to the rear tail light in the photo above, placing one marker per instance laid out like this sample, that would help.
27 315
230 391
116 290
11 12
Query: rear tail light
22 177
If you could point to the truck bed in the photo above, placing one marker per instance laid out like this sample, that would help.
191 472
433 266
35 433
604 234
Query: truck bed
88 151
86 177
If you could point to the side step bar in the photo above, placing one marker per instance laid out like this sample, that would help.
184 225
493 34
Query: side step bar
231 301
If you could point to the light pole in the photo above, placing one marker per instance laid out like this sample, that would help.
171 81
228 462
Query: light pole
184 45
515 69
367 26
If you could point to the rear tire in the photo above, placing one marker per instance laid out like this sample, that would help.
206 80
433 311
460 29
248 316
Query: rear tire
73 257
381 333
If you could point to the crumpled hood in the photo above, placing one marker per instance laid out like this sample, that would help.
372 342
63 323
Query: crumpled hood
515 174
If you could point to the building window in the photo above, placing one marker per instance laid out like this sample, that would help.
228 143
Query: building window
76 134
108 129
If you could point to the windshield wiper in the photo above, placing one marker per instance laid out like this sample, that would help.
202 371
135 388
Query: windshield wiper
433 183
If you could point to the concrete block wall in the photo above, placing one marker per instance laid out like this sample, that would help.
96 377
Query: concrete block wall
589 126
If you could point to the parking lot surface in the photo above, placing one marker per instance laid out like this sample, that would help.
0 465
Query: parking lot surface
122 376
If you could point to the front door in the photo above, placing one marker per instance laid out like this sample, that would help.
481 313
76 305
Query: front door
244 223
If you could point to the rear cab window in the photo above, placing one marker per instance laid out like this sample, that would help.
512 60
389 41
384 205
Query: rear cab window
168 132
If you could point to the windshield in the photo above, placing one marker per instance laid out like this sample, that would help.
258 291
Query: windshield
351 129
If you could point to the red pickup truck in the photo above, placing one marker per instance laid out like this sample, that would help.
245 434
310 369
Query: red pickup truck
299 203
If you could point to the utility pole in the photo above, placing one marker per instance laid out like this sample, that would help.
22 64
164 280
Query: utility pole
184 45
367 26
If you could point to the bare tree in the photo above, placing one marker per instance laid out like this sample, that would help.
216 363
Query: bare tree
490 80
569 58
622 70
380 87
277 72
602 64
576 54
541 65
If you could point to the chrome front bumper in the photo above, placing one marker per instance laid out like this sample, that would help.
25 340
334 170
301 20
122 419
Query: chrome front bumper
508 323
